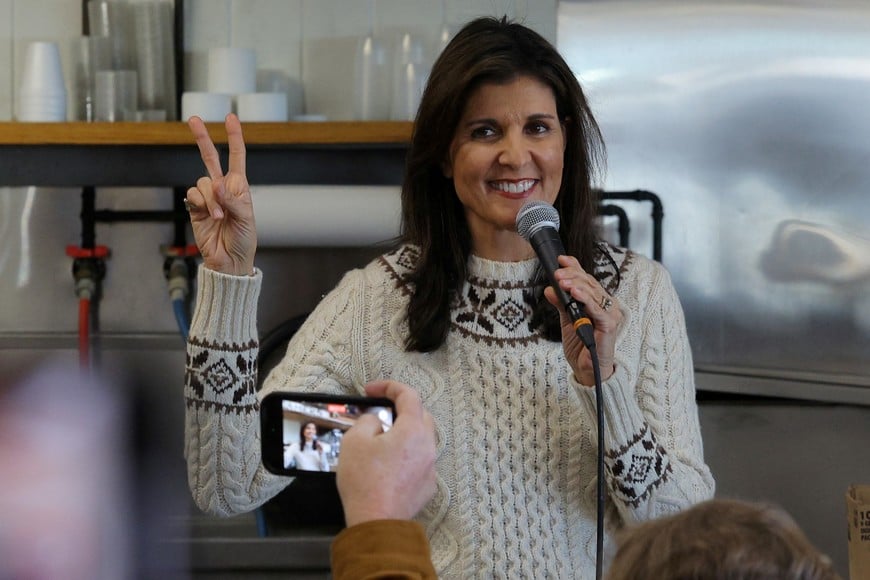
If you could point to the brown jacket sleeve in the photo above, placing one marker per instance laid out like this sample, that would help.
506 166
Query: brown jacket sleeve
382 549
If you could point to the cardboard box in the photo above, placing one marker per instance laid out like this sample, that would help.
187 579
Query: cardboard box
858 515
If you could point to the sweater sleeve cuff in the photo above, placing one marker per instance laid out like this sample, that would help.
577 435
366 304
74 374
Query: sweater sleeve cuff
382 549
226 306
634 459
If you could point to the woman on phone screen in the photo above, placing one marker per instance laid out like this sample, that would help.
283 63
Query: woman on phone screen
307 454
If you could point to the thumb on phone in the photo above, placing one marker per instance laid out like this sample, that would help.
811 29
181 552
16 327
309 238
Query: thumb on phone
368 425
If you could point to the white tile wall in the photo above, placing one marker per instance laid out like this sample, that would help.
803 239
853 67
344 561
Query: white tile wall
6 58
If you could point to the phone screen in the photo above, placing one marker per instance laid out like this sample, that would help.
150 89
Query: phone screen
301 433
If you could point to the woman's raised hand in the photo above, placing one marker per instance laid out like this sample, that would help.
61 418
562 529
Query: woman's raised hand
221 211
602 308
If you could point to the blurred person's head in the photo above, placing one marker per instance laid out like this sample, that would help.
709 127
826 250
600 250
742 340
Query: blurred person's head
88 484
62 477
720 539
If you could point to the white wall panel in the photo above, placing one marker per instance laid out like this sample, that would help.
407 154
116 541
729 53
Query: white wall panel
6 36
206 25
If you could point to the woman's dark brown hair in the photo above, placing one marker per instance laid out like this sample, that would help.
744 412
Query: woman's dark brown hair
304 425
487 50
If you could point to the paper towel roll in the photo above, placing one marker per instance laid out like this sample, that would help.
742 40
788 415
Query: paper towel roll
253 107
326 215
210 107
232 70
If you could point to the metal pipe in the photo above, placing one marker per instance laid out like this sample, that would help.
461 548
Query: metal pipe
624 228
658 213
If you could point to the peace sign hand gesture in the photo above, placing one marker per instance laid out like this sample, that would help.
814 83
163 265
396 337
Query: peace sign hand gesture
221 211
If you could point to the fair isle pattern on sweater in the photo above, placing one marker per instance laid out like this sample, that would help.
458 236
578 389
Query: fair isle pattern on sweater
492 305
637 467
221 375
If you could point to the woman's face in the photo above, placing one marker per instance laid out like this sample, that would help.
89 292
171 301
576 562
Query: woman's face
310 431
508 148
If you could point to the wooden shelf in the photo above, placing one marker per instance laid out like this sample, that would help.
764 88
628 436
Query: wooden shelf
165 154
177 133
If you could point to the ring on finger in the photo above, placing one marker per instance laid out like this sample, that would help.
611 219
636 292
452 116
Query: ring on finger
605 303
188 206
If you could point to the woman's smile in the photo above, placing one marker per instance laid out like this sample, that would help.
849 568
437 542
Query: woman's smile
514 189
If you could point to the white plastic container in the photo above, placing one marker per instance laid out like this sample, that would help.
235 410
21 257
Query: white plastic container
210 107
262 107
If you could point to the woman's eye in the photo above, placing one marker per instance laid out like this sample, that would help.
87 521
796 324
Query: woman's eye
538 128
482 132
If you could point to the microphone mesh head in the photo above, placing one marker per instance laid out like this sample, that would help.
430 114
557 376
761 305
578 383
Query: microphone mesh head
534 215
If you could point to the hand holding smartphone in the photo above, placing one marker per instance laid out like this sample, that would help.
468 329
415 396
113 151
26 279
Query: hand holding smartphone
301 432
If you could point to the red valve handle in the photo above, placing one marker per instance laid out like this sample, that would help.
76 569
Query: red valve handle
181 251
79 252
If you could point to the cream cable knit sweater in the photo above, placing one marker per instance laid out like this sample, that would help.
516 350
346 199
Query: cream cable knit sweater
516 435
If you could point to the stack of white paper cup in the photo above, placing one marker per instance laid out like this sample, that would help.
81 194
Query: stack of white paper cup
42 93
210 107
259 107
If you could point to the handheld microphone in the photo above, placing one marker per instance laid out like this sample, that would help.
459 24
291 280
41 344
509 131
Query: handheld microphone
538 222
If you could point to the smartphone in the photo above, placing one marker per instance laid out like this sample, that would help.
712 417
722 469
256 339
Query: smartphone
301 432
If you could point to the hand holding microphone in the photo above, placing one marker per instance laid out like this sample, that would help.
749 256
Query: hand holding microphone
588 313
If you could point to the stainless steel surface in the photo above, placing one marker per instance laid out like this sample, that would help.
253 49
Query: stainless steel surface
750 120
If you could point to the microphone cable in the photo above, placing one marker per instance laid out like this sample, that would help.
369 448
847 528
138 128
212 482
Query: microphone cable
585 332
600 495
